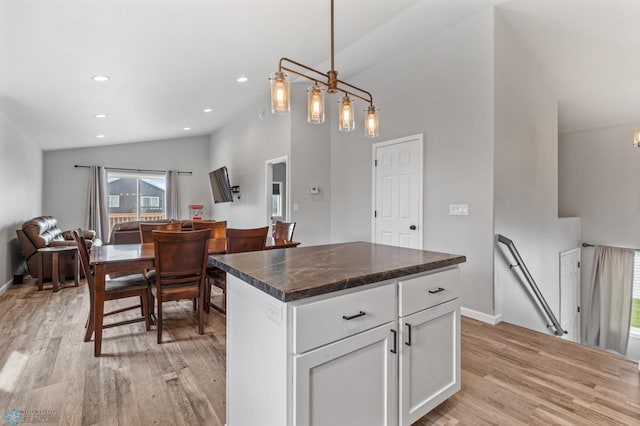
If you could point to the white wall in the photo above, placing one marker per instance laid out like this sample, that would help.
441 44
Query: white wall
441 87
310 166
20 190
526 182
244 145
599 175
66 187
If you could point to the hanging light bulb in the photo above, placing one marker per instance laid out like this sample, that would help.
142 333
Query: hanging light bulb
315 110
345 115
371 124
636 138
279 93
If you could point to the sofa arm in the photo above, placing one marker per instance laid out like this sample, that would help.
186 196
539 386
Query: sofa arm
58 243
88 235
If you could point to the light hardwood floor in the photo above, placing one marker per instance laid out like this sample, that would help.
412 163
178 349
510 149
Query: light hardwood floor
510 375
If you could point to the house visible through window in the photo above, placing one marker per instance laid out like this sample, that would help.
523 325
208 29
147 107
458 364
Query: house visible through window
135 196
114 200
635 308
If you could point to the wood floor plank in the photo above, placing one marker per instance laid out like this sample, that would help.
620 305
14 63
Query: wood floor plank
510 376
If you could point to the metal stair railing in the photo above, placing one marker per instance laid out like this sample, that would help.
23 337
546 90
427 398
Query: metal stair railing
534 287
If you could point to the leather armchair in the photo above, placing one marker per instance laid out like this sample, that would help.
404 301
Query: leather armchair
42 232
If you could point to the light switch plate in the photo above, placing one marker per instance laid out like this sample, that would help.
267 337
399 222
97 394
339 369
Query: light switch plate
314 189
458 209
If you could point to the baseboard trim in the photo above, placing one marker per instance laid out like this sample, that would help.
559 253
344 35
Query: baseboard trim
5 287
480 316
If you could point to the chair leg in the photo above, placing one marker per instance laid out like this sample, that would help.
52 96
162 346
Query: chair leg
201 309
144 300
159 321
142 305
224 300
207 294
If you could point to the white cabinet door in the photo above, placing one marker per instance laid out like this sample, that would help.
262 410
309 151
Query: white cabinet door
350 382
429 359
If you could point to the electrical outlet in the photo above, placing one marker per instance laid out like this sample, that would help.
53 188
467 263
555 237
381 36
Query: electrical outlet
274 312
296 207
458 209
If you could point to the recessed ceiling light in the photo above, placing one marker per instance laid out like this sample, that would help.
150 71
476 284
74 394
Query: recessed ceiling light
101 78
100 136
242 79
186 128
101 115
207 110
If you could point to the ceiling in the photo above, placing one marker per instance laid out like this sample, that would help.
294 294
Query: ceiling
170 59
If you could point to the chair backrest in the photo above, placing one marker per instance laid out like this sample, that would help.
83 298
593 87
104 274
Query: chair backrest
180 257
83 253
283 230
241 240
146 230
218 229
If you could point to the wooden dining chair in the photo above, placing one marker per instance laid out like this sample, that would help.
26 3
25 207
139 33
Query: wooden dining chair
146 230
283 230
180 270
118 288
238 241
218 228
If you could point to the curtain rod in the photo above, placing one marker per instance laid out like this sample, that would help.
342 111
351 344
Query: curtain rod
594 245
134 170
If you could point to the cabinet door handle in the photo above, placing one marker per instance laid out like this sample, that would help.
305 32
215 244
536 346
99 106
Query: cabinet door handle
436 291
395 342
408 342
350 317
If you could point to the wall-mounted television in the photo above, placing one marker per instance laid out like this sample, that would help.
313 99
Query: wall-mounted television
220 186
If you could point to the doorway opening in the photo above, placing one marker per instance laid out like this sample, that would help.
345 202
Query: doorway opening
277 190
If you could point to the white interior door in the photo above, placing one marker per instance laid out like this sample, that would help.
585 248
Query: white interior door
570 294
397 192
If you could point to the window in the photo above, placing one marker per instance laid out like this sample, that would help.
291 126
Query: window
135 196
635 308
147 201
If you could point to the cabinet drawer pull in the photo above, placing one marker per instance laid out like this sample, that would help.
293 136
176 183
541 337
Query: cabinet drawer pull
350 317
408 342
436 291
395 342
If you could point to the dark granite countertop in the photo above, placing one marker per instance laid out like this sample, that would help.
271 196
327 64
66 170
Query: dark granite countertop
297 273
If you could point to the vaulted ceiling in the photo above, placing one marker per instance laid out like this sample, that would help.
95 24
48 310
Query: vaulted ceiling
168 60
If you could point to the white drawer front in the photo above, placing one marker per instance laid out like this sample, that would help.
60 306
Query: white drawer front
423 291
316 323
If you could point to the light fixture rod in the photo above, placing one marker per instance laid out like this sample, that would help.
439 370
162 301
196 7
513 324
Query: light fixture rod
332 55
363 94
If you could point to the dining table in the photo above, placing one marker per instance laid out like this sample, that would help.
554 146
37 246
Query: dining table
118 258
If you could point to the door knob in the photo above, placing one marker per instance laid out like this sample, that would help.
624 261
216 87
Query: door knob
412 227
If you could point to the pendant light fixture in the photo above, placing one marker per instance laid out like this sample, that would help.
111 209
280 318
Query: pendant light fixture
315 108
281 94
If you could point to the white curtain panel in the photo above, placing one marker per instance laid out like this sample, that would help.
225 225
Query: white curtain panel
173 205
609 306
97 205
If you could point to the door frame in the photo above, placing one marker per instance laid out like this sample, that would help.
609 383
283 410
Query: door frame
420 138
268 174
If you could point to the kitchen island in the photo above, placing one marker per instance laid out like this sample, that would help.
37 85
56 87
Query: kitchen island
340 334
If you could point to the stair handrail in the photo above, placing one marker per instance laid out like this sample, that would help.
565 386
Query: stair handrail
532 284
